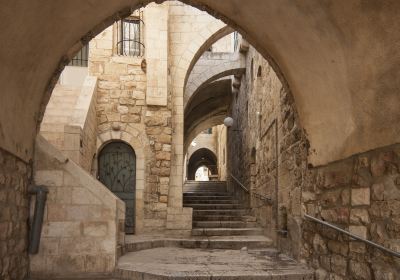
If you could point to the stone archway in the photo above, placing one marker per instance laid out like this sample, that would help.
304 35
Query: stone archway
202 157
140 146
117 171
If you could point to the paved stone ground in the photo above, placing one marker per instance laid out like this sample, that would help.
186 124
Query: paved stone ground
180 263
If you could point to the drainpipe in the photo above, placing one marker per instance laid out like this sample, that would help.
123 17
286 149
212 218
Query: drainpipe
37 222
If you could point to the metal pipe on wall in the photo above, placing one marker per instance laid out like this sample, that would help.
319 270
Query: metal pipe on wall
37 222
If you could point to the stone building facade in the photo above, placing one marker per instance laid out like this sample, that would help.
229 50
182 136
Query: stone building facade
358 194
323 146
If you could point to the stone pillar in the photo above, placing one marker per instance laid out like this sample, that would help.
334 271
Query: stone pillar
156 52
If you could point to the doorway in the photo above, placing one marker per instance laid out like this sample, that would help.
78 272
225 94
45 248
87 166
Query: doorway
117 171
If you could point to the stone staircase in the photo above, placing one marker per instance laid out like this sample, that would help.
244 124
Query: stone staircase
226 243
217 213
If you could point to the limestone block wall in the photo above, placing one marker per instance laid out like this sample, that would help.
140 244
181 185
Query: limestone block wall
85 118
58 113
156 38
123 114
225 44
267 151
70 122
360 194
81 228
212 66
222 153
189 30
15 176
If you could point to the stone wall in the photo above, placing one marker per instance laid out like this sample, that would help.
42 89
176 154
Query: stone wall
360 194
82 221
15 176
122 110
267 145
70 121
222 153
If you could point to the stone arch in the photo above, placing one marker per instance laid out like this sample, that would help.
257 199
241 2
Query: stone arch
227 67
202 157
335 78
140 145
209 121
212 100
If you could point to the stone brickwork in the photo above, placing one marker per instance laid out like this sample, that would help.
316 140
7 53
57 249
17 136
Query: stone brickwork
70 122
269 149
360 194
191 33
81 228
14 204
212 66
122 110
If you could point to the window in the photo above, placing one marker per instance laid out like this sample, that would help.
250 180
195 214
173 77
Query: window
129 37
207 131
81 58
235 40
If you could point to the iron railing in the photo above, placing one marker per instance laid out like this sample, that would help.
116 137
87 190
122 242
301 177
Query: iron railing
239 183
263 198
373 244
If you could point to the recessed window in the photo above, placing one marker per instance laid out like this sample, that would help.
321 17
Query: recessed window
81 58
129 37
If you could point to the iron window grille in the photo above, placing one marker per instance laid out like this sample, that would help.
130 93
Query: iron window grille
235 40
81 58
130 37
207 131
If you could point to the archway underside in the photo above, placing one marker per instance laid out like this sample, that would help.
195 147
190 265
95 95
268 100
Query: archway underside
338 63
202 157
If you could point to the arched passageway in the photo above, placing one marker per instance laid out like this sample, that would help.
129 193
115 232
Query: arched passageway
323 61
336 61
117 171
202 157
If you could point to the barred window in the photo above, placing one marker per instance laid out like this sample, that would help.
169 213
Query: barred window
207 131
129 37
81 58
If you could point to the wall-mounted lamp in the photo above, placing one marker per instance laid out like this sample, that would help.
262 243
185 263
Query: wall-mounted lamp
228 122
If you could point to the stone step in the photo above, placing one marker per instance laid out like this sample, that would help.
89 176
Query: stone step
205 183
223 224
226 231
212 212
203 242
217 218
207 197
208 190
217 201
208 264
191 194
214 206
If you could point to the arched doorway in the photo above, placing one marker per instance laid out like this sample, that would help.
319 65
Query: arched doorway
202 157
117 171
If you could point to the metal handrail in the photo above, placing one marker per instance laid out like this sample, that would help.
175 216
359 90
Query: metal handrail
389 251
240 184
262 197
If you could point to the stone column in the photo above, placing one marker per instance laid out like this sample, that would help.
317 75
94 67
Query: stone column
156 52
